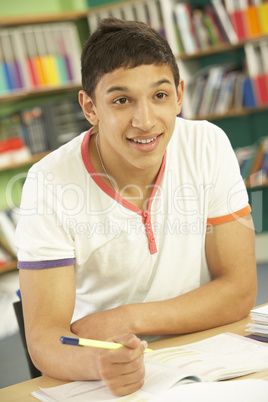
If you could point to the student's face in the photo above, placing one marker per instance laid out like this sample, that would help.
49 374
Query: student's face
135 110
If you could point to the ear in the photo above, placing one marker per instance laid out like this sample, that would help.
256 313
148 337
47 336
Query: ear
88 108
180 91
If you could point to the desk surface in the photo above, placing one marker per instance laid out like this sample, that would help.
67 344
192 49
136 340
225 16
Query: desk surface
21 392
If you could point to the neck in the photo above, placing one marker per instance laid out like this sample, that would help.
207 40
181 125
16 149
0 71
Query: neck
136 187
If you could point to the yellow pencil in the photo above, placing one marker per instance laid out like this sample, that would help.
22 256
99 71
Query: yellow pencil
67 340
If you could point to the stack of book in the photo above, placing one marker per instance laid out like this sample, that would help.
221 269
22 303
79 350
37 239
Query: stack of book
259 327
38 57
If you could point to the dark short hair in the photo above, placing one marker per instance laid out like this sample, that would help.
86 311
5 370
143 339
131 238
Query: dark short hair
128 44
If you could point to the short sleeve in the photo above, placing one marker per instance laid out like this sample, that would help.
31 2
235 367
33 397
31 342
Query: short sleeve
41 238
228 197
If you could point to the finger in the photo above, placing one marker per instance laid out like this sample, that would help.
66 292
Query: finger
126 383
129 340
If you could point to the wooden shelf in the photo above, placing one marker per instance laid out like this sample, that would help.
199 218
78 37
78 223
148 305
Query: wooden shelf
233 113
60 16
218 49
30 161
8 267
259 186
13 96
42 18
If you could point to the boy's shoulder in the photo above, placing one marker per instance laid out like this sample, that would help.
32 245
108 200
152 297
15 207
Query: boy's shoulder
65 155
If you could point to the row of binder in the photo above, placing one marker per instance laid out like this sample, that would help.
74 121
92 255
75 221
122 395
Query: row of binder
149 12
37 57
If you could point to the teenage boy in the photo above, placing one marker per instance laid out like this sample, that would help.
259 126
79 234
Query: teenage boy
140 226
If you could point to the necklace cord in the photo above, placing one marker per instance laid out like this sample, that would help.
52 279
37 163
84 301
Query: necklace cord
102 164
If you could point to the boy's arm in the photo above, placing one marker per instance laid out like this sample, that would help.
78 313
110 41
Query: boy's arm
48 298
230 252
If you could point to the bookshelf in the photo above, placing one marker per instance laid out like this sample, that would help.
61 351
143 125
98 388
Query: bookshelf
244 126
53 100
30 161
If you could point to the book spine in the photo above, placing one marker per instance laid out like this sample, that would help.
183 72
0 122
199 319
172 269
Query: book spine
185 28
167 10
256 59
154 16
263 17
253 21
8 229
11 68
220 33
225 21
141 12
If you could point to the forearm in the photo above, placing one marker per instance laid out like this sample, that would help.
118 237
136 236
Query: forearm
214 304
61 361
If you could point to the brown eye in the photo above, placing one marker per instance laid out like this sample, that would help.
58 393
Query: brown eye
121 101
160 95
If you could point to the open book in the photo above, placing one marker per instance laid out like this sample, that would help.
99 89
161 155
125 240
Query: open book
217 358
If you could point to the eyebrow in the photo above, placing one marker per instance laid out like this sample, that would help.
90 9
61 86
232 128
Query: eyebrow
125 89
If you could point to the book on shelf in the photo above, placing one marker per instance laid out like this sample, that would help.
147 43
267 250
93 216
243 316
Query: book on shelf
258 174
257 66
249 95
213 359
236 10
202 33
225 21
155 19
258 328
245 157
7 234
262 7
33 123
253 163
253 20
184 20
5 257
11 73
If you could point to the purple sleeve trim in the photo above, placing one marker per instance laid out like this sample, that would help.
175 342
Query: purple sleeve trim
45 264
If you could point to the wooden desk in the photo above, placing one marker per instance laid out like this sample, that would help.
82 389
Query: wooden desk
21 392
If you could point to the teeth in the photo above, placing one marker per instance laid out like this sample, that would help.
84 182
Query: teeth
144 141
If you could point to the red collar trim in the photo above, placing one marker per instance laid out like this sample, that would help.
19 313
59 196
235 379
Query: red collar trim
108 190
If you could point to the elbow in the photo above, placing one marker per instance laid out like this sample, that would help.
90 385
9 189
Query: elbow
247 300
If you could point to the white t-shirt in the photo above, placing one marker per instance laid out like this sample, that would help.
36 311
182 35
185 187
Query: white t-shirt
122 254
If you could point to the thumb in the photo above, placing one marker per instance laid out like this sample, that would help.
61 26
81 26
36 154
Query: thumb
129 340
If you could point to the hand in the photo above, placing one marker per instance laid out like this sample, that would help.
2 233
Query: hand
122 370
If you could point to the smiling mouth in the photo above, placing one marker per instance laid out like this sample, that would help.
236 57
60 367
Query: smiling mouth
145 141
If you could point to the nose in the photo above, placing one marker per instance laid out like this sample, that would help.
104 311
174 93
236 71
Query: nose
144 116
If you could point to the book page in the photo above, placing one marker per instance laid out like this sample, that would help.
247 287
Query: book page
231 391
220 357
